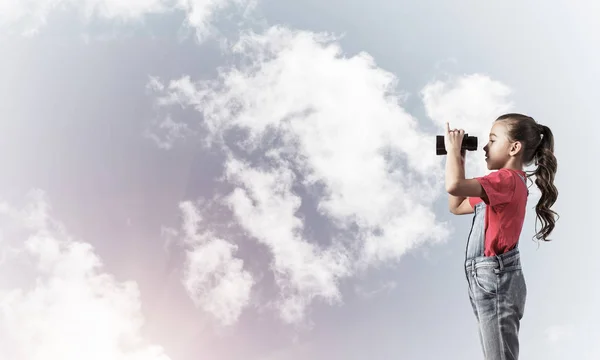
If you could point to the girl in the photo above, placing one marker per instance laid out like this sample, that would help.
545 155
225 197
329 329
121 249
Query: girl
497 288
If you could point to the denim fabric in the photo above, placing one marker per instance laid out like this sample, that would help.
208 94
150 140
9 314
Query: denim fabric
497 292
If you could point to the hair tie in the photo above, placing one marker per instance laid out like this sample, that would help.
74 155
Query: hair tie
540 128
538 147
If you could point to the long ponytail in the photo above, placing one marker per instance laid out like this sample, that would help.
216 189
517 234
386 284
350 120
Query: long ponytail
545 173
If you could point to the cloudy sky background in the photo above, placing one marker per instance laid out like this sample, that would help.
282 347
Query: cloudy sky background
186 179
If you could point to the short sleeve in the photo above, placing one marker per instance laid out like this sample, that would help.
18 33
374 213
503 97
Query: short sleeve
474 201
499 187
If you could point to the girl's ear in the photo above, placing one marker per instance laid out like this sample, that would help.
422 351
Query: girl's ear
515 148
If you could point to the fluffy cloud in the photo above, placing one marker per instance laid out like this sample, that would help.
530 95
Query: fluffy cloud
28 16
472 100
200 12
57 303
213 278
265 205
302 124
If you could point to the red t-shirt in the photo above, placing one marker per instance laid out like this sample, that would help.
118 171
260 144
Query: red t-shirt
505 212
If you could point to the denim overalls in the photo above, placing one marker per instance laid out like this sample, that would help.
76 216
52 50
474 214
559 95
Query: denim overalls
497 292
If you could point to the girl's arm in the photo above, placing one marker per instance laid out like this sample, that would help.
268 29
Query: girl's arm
456 184
456 203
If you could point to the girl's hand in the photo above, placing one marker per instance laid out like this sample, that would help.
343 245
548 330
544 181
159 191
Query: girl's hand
453 140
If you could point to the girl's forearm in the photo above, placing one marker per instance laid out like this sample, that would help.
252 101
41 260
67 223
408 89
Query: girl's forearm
455 169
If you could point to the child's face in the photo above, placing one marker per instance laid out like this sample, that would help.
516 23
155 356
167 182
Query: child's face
498 146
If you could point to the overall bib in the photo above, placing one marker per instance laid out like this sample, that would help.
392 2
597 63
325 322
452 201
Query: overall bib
497 292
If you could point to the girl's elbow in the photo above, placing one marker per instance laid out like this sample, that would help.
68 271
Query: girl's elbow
451 189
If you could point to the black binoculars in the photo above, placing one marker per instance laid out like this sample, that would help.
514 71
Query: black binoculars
468 143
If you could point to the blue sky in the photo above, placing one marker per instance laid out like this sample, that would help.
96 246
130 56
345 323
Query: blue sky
257 180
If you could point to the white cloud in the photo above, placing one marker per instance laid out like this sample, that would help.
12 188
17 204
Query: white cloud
200 12
265 205
29 16
57 303
471 100
305 116
214 279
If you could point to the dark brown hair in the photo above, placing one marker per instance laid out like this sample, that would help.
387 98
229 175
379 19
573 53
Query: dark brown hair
537 146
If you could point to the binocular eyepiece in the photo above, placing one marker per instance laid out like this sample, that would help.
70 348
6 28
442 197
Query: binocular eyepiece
468 143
